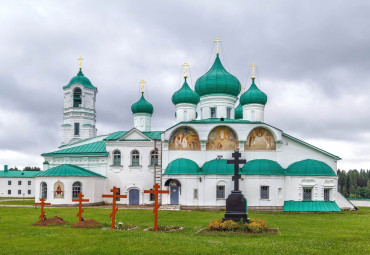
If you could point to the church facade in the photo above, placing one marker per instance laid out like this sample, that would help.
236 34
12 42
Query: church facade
190 158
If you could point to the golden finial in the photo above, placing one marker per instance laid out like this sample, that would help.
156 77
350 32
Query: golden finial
241 89
142 82
217 41
80 58
185 65
253 66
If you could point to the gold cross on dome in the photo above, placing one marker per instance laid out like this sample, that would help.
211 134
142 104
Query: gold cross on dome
142 82
80 58
253 66
185 65
217 41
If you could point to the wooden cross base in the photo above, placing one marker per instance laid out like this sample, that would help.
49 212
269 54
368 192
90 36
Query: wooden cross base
42 208
156 192
114 208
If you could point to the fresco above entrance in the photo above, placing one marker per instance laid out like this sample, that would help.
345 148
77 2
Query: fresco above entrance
260 139
222 138
184 138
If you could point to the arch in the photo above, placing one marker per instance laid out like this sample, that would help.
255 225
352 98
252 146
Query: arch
135 158
260 139
170 182
222 138
58 189
77 97
116 158
184 138
154 157
43 190
76 189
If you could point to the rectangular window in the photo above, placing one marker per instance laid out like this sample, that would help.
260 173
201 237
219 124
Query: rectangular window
195 193
9 192
19 192
9 182
326 194
220 192
77 129
228 113
19 182
151 197
29 182
307 193
29 192
213 112
264 192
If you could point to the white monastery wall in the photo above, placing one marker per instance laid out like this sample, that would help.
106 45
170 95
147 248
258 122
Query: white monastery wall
26 190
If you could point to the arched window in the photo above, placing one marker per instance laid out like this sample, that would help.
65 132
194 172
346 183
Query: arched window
44 190
135 158
116 158
76 189
154 157
77 100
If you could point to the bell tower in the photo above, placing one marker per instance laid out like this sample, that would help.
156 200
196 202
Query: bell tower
79 115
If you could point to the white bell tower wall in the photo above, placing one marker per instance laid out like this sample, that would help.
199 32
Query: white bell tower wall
142 121
254 112
220 103
186 112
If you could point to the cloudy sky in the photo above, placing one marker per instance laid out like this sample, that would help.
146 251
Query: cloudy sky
313 61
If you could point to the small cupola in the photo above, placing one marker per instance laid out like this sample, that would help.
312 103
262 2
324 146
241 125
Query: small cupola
185 101
253 102
239 112
142 111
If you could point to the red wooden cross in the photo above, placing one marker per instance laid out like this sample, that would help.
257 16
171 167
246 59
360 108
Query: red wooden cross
42 208
114 208
80 200
156 192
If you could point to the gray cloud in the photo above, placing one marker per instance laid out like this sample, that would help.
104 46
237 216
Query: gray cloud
313 61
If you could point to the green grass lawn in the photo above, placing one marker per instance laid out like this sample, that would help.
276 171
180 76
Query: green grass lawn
18 202
300 233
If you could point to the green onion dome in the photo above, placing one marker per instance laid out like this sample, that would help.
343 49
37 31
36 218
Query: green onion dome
80 79
142 106
262 167
253 96
239 112
310 167
217 81
185 95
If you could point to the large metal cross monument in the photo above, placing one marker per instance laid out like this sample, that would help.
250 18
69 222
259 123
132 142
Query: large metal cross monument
236 204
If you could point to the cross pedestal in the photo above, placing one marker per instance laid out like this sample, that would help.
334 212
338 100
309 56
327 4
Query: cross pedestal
156 193
114 208
236 204
80 200
42 208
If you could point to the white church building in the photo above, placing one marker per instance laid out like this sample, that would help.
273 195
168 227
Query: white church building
189 158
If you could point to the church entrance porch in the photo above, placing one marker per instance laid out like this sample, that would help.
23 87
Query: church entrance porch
174 187
133 197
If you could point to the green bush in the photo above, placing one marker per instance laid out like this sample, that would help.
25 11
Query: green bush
254 226
257 225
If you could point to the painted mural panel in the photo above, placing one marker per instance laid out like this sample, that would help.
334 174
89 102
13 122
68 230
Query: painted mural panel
222 138
260 139
58 190
184 138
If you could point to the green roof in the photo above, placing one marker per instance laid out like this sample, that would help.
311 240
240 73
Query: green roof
217 166
310 206
69 170
239 112
310 167
142 106
253 96
80 79
18 174
182 166
217 81
151 134
262 167
96 148
185 95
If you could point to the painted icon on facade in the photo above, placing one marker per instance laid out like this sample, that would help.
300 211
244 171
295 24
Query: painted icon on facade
58 190
260 139
222 138
184 138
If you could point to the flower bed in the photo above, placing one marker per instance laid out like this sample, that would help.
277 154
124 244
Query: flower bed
170 228
254 226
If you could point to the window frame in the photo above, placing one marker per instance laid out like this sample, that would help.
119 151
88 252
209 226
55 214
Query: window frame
135 158
29 183
327 192
77 92
9 182
44 190
117 158
19 183
265 192
76 189
220 191
304 192
214 114
76 129
9 191
228 112
29 192
154 158
196 194
19 192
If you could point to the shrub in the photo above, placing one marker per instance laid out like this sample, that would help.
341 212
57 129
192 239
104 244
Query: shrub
215 225
229 225
257 225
